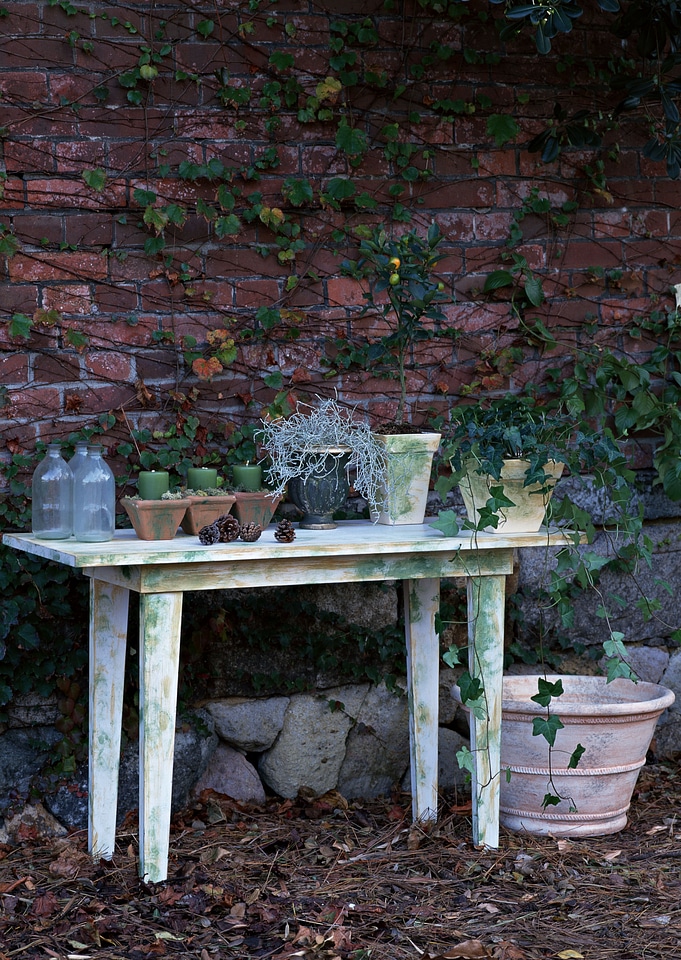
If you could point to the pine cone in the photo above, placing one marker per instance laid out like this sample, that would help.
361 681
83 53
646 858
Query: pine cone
228 527
285 532
250 532
209 534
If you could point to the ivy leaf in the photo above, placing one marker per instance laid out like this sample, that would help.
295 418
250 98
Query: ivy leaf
465 759
350 140
227 226
576 756
205 28
282 61
297 191
20 326
447 522
328 89
503 128
144 198
79 341
550 800
547 727
95 178
547 691
470 687
274 380
452 657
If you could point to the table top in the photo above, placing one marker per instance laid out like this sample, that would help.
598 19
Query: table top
359 538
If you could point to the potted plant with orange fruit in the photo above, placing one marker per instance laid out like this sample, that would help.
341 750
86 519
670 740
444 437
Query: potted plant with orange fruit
399 283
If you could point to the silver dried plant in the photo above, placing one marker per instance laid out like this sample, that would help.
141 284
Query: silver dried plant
299 446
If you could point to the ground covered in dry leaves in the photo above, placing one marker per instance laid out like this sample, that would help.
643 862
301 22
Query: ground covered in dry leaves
327 880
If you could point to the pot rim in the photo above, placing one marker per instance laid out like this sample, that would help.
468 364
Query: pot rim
625 696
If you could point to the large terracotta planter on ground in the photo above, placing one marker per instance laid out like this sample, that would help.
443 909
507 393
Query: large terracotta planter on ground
155 519
527 514
257 507
614 722
410 461
204 510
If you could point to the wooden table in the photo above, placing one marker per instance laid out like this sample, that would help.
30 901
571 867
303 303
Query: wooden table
160 572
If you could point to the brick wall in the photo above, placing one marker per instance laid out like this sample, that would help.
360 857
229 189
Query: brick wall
109 321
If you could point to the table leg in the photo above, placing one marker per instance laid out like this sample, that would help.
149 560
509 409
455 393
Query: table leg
485 661
108 633
160 618
421 604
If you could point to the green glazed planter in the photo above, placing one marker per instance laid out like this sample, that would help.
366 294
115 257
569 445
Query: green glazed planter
319 496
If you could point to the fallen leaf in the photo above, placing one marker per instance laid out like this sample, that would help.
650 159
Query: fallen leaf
44 905
490 908
508 951
570 955
659 828
613 855
467 950
66 868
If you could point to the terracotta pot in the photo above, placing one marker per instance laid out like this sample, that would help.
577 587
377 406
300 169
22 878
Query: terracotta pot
155 519
410 461
527 514
204 510
256 507
614 722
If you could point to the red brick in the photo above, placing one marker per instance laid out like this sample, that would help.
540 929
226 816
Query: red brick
99 398
13 368
34 403
35 228
44 266
109 365
57 368
63 193
256 293
24 157
68 299
23 87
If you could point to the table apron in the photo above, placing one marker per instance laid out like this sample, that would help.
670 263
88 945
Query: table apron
179 577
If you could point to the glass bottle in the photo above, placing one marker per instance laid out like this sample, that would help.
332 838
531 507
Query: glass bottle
76 460
51 494
94 487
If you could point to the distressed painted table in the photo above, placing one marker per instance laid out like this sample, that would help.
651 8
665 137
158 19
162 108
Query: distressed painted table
161 571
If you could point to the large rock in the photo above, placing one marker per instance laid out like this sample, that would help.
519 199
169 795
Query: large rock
247 723
194 745
23 753
450 776
667 740
377 747
310 749
229 772
33 820
589 628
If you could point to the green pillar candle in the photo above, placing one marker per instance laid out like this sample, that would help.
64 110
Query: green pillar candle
248 476
152 484
202 478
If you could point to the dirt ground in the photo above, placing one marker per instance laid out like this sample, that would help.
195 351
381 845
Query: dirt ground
326 879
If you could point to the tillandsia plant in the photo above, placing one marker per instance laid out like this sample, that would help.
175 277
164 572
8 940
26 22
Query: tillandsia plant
404 288
298 447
